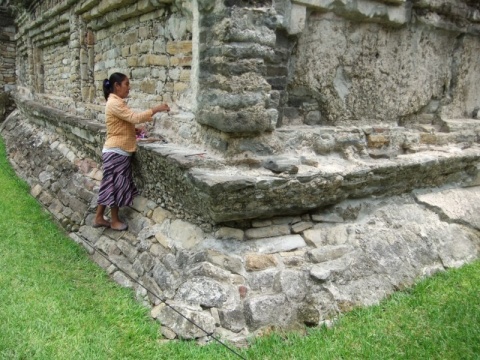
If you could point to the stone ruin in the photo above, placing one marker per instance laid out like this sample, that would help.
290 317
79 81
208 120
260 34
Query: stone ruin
320 155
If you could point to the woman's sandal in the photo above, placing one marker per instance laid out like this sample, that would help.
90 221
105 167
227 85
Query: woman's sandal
95 225
122 228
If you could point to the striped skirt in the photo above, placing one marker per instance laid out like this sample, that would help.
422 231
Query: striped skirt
117 188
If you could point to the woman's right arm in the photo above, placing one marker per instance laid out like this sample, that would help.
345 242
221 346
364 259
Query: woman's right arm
120 110
160 108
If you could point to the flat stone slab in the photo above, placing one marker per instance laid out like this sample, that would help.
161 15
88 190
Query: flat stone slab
459 205
224 193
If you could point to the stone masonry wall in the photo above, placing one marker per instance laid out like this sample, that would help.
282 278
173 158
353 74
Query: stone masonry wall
320 154
71 47
7 61
242 280
364 72
239 74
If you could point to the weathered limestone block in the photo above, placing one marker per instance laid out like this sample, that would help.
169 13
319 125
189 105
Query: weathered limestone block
328 252
167 280
459 205
262 310
206 269
204 292
181 326
256 262
233 320
269 231
293 284
393 12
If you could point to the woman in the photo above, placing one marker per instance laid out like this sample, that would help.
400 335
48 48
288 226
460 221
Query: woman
117 188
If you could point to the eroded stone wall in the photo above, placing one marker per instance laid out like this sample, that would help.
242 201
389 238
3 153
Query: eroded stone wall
367 73
70 48
238 281
301 135
237 73
7 61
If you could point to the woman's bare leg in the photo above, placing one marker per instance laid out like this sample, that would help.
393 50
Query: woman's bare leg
116 223
99 219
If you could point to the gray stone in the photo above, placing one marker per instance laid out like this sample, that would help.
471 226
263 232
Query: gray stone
154 292
262 281
278 244
168 281
101 260
280 165
327 269
128 250
149 232
233 320
206 269
183 321
329 217
120 278
292 283
267 310
79 240
159 215
460 205
328 252
137 267
230 262
301 226
202 291
125 266
108 246
229 233
137 223
142 204
269 231
146 260
185 234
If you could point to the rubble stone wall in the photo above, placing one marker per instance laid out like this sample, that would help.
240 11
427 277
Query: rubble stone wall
244 279
363 72
237 73
320 154
70 48
7 61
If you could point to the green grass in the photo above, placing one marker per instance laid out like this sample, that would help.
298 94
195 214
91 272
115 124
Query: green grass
55 303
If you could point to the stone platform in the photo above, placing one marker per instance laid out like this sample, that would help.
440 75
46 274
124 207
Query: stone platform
244 245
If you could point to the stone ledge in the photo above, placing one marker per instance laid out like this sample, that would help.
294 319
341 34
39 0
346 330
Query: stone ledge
206 188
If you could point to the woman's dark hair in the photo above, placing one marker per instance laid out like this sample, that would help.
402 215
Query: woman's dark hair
109 83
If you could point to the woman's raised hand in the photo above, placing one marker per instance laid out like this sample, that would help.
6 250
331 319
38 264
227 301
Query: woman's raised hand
160 108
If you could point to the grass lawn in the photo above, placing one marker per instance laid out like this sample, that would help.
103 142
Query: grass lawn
57 304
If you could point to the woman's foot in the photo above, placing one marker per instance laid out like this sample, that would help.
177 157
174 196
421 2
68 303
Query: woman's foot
119 226
100 223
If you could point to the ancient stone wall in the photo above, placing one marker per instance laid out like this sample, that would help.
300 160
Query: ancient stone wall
7 60
70 47
316 152
241 74
420 70
242 280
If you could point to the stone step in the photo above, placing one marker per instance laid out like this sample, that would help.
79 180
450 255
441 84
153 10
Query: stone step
229 193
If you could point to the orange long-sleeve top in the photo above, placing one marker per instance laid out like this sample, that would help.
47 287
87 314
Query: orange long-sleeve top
121 120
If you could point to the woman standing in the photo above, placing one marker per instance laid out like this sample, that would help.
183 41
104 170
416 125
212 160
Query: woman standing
117 188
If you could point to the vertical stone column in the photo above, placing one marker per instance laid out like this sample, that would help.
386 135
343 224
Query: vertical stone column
236 46
31 64
74 46
38 70
87 62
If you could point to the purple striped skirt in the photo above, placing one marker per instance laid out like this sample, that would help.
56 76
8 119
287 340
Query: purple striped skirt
117 188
